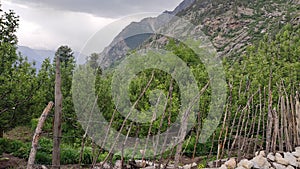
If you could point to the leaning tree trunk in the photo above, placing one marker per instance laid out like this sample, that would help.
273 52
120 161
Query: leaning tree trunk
37 135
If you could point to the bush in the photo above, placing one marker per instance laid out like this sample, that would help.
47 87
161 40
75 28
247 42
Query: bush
43 158
69 155
14 147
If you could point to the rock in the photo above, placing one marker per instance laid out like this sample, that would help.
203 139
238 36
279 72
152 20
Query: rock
105 166
290 167
291 159
278 166
118 164
231 163
170 166
262 153
245 164
150 167
260 162
44 167
271 157
240 167
280 160
223 167
296 154
4 159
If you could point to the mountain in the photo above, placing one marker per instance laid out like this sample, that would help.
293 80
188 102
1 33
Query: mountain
230 25
39 55
136 33
233 25
36 55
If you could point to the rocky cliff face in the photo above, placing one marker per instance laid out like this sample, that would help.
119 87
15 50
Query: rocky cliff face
133 35
233 25
230 25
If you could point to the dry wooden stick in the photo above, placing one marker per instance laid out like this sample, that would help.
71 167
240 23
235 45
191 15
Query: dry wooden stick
270 119
37 134
259 120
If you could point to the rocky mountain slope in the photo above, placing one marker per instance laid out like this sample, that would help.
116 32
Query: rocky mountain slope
230 25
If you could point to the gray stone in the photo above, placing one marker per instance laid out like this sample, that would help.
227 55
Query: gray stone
297 149
279 166
271 157
223 167
296 154
189 166
240 167
118 164
260 162
290 167
279 159
231 163
291 159
262 153
245 164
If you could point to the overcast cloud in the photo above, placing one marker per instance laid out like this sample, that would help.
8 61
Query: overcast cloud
104 8
47 24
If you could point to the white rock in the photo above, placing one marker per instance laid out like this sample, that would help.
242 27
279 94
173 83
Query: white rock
280 160
262 153
231 163
240 167
118 164
291 159
278 166
296 154
245 164
271 157
260 162
290 167
297 149
223 167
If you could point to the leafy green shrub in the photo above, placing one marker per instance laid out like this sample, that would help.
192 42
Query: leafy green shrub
33 123
87 157
69 155
43 158
15 147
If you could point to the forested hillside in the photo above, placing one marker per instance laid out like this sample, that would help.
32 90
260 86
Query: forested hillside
258 43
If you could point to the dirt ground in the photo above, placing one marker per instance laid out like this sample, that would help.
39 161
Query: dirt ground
9 161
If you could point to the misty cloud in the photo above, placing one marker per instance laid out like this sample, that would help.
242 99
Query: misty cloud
104 8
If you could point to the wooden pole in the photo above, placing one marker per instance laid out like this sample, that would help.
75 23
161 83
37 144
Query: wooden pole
37 135
57 117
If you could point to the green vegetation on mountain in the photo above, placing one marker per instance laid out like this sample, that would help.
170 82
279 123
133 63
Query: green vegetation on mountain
261 40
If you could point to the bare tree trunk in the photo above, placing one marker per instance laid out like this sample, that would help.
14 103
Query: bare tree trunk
37 135
297 108
57 117
276 130
270 118
259 121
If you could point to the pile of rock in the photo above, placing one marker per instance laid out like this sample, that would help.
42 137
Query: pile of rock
285 160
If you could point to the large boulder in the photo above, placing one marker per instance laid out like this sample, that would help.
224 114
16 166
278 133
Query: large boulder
260 162
231 163
280 160
246 164
291 159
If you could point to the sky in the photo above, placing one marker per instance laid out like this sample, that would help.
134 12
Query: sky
48 24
